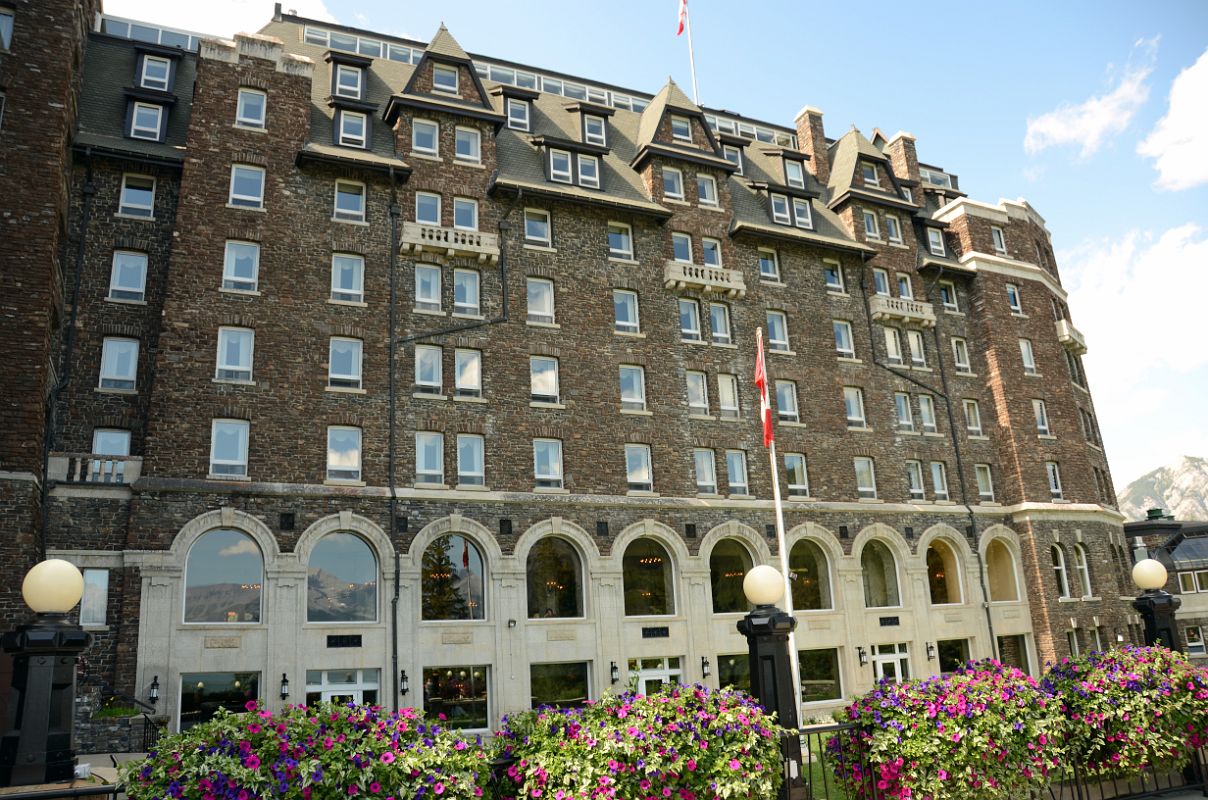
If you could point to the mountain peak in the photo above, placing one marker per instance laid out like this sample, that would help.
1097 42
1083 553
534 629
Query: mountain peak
1181 489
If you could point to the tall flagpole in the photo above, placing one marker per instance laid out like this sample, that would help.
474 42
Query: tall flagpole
691 55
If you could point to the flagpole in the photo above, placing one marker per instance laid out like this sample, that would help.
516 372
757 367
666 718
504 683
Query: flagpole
691 55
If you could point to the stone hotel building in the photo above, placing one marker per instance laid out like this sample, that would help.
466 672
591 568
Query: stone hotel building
373 369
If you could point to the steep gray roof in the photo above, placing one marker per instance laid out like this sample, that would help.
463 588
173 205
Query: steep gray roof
670 96
443 44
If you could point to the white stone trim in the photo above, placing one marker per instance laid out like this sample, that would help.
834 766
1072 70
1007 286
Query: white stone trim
757 548
564 529
348 522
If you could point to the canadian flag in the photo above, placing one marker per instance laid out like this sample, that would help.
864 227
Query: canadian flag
761 382
683 16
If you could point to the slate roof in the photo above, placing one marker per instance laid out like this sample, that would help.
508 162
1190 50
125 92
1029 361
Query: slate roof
443 44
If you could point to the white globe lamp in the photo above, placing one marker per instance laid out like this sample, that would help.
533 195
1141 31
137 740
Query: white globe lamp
1149 574
53 586
763 585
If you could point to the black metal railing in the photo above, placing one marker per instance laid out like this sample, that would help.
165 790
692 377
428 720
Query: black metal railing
66 791
1073 785
152 730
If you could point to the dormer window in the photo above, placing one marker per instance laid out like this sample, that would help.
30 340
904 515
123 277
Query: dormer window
444 79
156 73
935 241
518 114
589 171
870 174
802 216
681 128
349 81
146 121
780 209
594 130
794 174
250 110
560 166
353 127
908 194
733 155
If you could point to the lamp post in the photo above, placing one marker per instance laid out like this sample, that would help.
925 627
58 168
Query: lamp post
767 629
38 748
1156 605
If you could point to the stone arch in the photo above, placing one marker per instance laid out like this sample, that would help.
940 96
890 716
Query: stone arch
887 536
557 605
346 521
831 551
819 535
225 517
557 526
661 533
960 553
1009 540
672 586
757 548
455 523
950 535
881 592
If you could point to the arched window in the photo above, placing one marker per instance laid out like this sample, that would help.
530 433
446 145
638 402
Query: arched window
1083 570
728 565
648 579
453 579
555 585
341 580
880 576
810 577
943 573
224 575
1000 564
1063 581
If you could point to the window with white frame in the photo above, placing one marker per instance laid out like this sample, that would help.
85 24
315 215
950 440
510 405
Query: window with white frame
1059 571
705 465
347 278
429 369
973 422
350 201
907 194
465 214
1082 571
518 114
638 472
736 472
594 130
681 246
780 209
467 372
960 355
935 241
769 265
727 396
540 301
427 287
914 480
844 345
633 387
948 296
689 316
128 278
872 229
853 405
228 447
560 166
146 121
471 460
251 108
625 311
119 364
444 79
247 186
1192 634
429 458
466 292
794 173
344 363
1000 240
903 411
893 229
343 453
425 137
1053 470
543 379
733 155
156 74
893 345
918 349
1027 356
109 442
620 241
354 129
241 266
985 482
467 145
905 288
673 183
537 228
706 190
138 196
869 172
927 413
880 282
719 323
349 81
786 401
547 463
803 216
1013 299
235 348
939 480
866 478
681 128
778 331
427 208
95 600
1041 414
710 252
1071 640
589 171
698 393
796 476
832 275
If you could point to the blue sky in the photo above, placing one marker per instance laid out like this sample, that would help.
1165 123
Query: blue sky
1067 104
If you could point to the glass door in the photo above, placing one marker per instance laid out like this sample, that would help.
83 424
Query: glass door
653 674
891 662
359 686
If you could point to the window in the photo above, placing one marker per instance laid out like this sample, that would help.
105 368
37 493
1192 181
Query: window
948 296
794 173
247 186
465 213
710 252
869 171
429 369
1192 634
554 580
1040 412
802 215
706 190
733 155
681 128
633 387
853 404
620 241
905 289
444 79
1029 359
907 194
128 279
1000 240
235 347
250 109
541 301
109 442
429 458
467 145
350 201
880 576
1013 299
820 676
594 130
736 471
918 350
228 447
1054 473
344 363
343 453
871 229
727 396
467 373
560 166
943 578
6 28
625 311
466 292
843 340
354 129
866 478
537 226
146 121
893 229
673 183
769 265
119 364
780 209
786 401
698 393
832 274
138 196
226 564
795 475
778 331
880 282
427 208
903 411
471 469
589 171
95 600
681 247
914 480
927 413
689 315
973 423
1187 582
425 137
547 463
241 266
1077 375
893 345
427 287
1000 565
648 579
935 241
518 114
1082 571
1071 640
348 81
342 580
637 468
543 379
939 480
960 355
809 574
1059 572
706 471
453 579
728 563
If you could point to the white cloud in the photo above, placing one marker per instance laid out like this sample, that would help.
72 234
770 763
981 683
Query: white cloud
243 547
1091 122
1178 142
215 17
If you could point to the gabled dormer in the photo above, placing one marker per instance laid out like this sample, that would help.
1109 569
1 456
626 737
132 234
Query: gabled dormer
351 111
860 171
444 80
674 127
593 122
150 97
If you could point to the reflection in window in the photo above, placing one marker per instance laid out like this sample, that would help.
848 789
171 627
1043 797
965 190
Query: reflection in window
453 580
559 685
728 565
880 576
734 671
554 585
943 575
203 693
458 695
341 580
953 654
648 588
819 675
810 577
223 578
342 686
1001 568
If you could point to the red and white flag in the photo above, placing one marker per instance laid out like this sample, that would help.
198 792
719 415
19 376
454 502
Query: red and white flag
761 382
683 16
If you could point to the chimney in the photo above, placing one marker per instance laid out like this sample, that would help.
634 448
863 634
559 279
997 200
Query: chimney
812 140
902 156
1155 513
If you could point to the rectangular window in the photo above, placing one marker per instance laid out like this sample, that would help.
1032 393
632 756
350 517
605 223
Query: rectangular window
927 413
706 471
633 387
1041 414
560 166
344 363
156 72
844 345
727 396
518 114
241 266
427 287
778 331
347 278
6 28
698 393
905 289
871 229
620 241
832 274
794 173
880 282
537 227
893 346
681 128
706 190
460 693
918 350
138 196
795 475
710 252
564 685
343 453
820 677
803 216
444 79
1071 640
589 171
128 279
429 458
541 301
247 186
146 121
625 311
349 81
939 480
119 364
903 411
466 293
109 442
985 483
235 347
1013 299
948 296
427 208
547 463
907 194
786 401
935 241
471 460
543 379
733 155
95 600
354 129
465 214
689 315
1026 354
1054 473
1192 633
869 172
350 201
736 471
681 247
1000 240
429 369
250 111
673 183
467 145
467 373
960 355
769 265
780 209
914 480
719 323
594 131
1187 582
866 478
425 137
637 468
853 405
973 423
893 229
228 447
